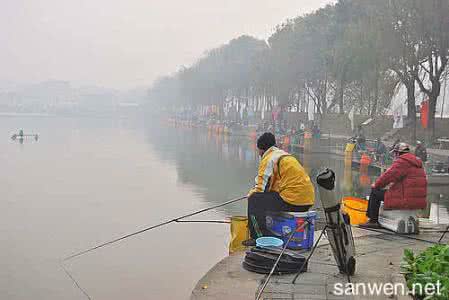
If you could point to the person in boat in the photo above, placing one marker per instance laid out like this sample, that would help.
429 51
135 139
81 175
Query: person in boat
21 133
421 151
282 184
402 186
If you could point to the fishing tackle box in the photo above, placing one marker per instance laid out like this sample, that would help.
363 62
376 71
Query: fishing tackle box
281 224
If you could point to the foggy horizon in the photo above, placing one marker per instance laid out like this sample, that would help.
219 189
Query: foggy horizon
125 45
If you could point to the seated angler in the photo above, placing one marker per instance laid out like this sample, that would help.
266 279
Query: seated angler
402 187
282 184
421 151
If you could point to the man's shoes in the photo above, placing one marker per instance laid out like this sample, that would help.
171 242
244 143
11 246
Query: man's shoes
371 225
249 243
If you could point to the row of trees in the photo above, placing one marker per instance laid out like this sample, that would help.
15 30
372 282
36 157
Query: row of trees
355 53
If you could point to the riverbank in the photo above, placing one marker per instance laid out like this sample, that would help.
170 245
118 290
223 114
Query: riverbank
327 136
436 154
378 256
227 279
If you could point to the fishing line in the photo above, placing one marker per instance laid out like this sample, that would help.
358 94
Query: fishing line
61 263
177 220
152 227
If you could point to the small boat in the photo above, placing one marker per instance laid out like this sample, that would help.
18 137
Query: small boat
22 136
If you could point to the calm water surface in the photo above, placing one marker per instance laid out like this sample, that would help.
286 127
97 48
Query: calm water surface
86 181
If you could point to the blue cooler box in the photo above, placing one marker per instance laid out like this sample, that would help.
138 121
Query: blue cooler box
281 224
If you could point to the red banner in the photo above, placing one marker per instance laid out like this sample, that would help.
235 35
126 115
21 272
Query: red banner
424 113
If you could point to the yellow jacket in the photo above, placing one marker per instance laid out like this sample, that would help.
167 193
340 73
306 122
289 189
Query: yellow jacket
291 181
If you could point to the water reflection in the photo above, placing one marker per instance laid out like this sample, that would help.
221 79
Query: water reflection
220 168
223 167
89 180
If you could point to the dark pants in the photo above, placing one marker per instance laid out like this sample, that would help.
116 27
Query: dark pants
260 203
375 198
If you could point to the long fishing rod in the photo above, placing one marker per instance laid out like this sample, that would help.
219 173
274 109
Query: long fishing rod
444 233
205 221
259 294
152 227
398 234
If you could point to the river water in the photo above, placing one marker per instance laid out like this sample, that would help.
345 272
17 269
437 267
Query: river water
86 181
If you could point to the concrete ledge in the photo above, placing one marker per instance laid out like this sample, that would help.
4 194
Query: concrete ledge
378 260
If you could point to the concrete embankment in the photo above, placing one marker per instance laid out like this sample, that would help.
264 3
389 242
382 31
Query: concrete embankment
379 255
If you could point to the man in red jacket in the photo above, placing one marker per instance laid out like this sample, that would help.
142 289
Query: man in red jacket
402 186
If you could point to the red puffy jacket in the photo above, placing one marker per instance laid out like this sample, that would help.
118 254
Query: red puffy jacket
408 182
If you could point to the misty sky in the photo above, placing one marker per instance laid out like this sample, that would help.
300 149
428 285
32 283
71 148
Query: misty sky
125 43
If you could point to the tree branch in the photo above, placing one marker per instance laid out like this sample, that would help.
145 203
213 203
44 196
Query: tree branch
400 74
430 66
314 98
425 69
421 85
444 61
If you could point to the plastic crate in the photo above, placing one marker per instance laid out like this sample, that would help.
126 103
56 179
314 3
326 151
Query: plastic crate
281 224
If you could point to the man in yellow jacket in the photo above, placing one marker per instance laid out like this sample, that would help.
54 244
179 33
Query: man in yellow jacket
282 184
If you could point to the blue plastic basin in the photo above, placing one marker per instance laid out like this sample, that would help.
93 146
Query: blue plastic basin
269 241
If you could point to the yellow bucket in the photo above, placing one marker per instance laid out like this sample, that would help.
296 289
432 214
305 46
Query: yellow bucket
239 233
356 209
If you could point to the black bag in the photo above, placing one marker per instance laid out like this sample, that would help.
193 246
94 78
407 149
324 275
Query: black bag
261 260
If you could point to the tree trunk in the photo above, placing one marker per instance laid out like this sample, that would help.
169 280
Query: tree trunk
304 101
411 109
298 101
431 120
324 106
436 87
341 89
369 103
376 95
361 97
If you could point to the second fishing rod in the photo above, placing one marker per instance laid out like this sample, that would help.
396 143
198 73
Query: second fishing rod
174 220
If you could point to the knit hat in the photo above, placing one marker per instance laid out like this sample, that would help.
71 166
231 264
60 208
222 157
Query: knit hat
266 141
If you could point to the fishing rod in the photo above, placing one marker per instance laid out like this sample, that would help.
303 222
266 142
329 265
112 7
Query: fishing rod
152 227
259 294
399 234
205 221
323 232
444 233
